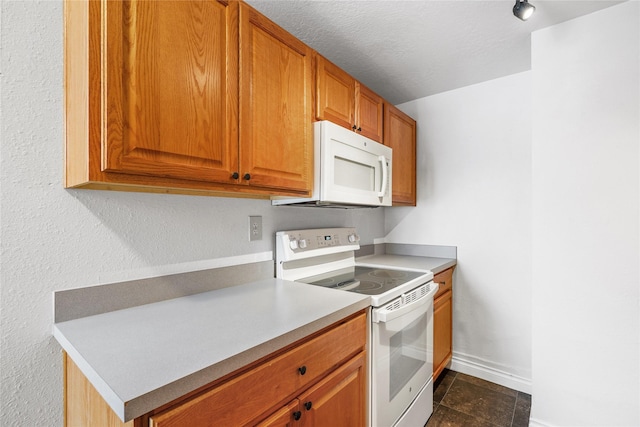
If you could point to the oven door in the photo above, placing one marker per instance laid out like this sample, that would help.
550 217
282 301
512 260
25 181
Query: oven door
401 356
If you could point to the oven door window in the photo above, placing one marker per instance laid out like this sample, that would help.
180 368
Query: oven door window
401 360
408 349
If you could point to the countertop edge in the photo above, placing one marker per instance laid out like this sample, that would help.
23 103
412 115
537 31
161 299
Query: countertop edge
146 403
113 400
129 409
445 266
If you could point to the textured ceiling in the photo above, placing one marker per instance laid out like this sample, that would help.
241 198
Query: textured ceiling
405 50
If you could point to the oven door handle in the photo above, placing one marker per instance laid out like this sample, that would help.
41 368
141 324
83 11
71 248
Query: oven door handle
381 315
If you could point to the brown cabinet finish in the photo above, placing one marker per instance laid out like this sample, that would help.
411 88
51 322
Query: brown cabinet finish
369 109
335 94
343 100
400 135
170 89
443 321
339 399
275 105
83 404
153 101
285 417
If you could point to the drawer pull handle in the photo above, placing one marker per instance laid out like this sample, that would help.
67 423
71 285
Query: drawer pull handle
302 370
308 405
297 415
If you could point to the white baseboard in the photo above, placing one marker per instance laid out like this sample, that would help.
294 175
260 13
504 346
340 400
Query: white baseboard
461 364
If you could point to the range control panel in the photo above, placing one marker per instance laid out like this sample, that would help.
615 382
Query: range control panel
329 240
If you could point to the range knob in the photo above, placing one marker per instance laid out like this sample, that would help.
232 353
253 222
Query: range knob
293 244
302 243
353 238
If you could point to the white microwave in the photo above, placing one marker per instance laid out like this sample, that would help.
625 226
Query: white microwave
350 170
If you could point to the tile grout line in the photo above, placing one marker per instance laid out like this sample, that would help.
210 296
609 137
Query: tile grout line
450 385
486 388
515 406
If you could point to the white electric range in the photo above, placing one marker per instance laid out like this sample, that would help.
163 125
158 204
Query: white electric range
401 332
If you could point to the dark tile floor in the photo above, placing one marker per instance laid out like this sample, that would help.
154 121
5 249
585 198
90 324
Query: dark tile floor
463 400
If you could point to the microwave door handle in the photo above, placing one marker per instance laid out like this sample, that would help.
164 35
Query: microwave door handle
385 175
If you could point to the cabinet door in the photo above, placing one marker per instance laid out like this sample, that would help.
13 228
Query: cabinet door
335 94
285 417
400 135
369 108
339 400
442 328
443 321
276 148
171 89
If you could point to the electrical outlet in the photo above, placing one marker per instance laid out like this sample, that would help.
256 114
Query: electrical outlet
255 228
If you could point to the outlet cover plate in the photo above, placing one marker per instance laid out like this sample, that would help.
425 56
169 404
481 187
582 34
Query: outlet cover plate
255 228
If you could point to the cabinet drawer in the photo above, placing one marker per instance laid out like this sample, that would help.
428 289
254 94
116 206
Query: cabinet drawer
444 279
252 394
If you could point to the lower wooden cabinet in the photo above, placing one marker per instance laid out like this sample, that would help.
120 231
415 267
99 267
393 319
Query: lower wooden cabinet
443 322
336 401
318 381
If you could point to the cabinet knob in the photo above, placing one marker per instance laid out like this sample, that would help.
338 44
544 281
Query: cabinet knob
302 370
235 175
359 129
308 405
354 127
247 176
297 415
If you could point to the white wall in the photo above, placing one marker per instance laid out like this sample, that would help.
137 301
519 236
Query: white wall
586 192
474 192
52 238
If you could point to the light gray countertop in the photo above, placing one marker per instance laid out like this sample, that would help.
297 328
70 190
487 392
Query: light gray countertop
142 357
435 265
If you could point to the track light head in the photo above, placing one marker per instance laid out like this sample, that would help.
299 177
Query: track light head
523 10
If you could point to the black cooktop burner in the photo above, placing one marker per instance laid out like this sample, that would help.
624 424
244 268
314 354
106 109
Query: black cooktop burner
391 274
369 286
365 280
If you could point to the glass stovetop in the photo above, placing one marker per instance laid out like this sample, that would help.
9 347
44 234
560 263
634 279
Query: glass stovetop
364 280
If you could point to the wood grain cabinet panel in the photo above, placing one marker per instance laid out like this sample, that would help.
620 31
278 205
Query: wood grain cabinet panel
335 95
160 96
170 93
339 399
275 105
443 322
344 101
369 111
285 417
400 135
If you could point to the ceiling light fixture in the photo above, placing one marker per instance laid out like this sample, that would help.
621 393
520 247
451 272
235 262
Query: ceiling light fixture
523 10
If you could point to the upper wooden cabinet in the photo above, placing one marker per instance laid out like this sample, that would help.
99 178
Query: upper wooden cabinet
275 104
400 135
346 102
159 99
